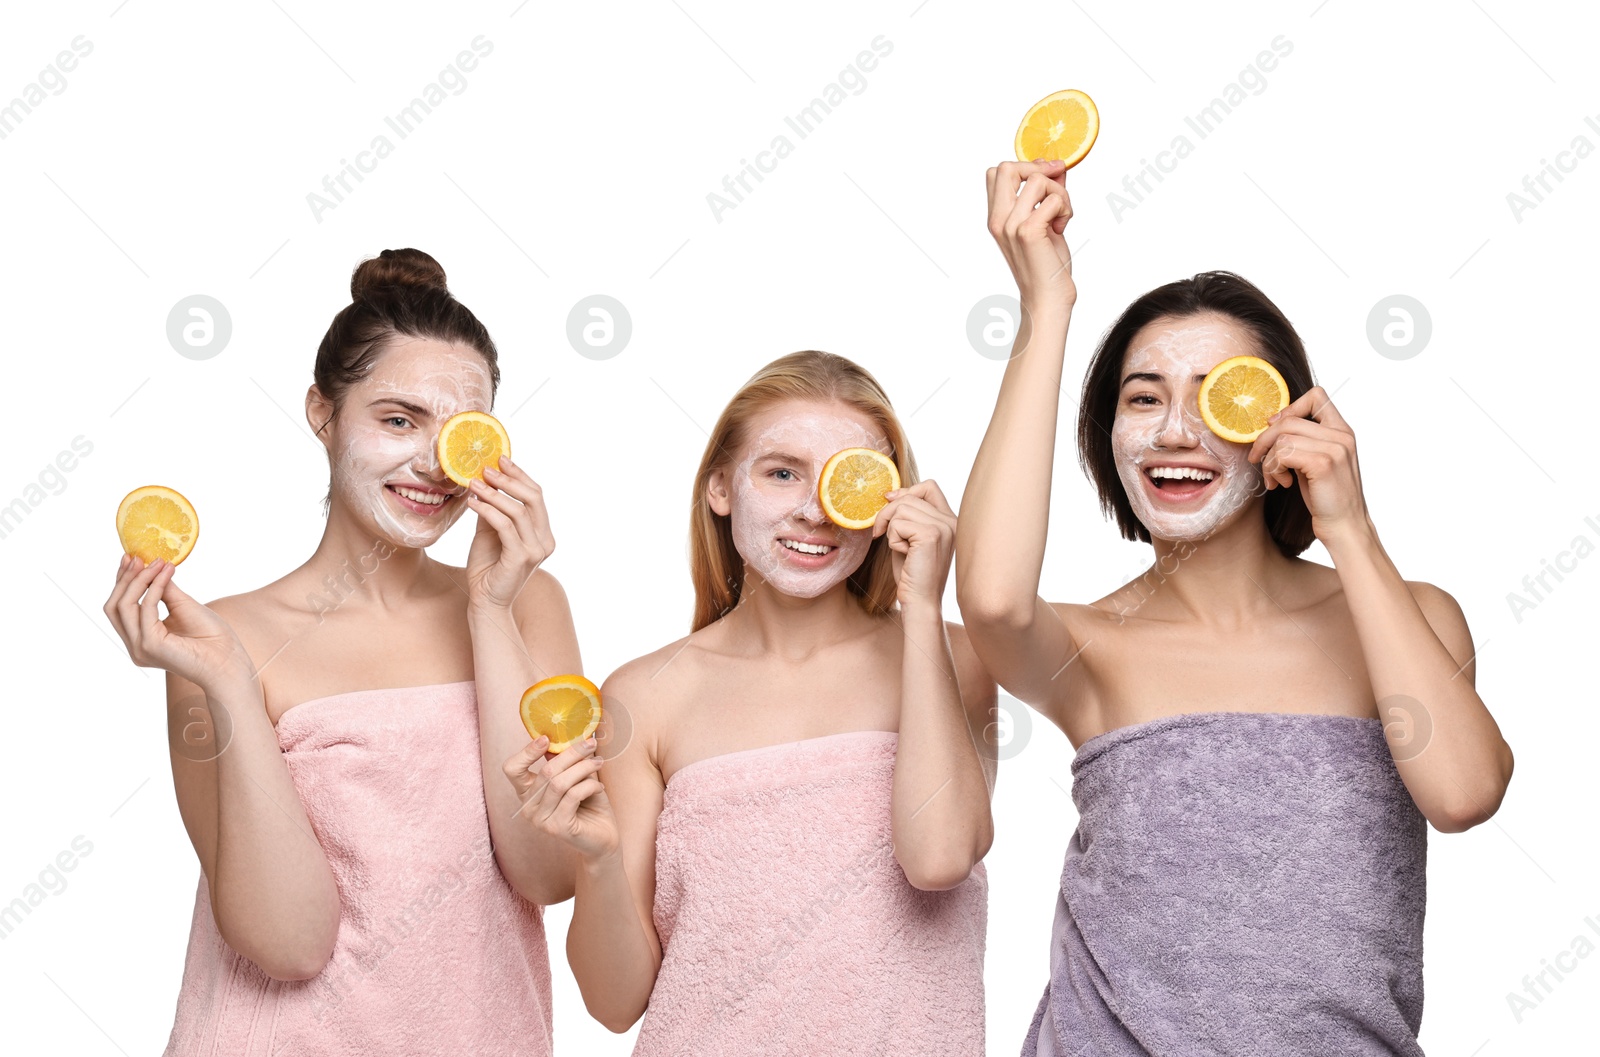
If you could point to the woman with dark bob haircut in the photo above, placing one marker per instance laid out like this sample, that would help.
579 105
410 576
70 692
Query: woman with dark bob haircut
1261 740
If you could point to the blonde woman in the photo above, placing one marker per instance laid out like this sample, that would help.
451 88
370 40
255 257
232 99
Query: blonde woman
330 731
781 852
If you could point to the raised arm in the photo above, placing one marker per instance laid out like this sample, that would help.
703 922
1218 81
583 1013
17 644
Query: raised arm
1414 638
612 945
272 891
1005 511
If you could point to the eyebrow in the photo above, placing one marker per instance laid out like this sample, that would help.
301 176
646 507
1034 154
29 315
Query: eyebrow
781 456
1153 376
415 409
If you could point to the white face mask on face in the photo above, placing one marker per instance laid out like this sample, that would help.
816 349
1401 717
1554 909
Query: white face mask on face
1170 432
380 446
773 497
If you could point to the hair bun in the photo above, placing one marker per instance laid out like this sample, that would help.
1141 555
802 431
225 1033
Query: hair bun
396 268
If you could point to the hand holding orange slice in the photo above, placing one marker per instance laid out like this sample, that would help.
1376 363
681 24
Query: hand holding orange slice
853 484
1063 125
1239 395
470 441
157 522
565 708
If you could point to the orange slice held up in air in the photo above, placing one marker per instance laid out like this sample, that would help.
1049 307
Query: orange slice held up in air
565 708
1239 395
157 522
470 441
1063 125
852 486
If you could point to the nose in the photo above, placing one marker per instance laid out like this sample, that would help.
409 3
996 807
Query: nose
810 509
426 461
1181 426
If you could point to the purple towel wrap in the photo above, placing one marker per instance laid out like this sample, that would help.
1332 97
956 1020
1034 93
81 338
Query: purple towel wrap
1240 883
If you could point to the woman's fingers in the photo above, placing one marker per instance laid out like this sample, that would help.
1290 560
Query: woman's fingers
533 518
149 609
1036 189
128 605
527 761
1004 181
570 788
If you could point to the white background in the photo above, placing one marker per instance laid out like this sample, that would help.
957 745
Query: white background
1377 160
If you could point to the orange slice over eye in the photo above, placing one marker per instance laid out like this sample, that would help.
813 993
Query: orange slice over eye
853 484
470 441
1239 395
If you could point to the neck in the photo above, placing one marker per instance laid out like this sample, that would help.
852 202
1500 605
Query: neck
1228 579
795 628
354 564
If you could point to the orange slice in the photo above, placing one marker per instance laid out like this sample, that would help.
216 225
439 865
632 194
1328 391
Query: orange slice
564 707
1061 125
470 441
853 484
157 522
1239 395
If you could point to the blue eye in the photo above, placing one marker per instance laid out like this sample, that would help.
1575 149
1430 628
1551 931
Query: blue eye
398 418
783 469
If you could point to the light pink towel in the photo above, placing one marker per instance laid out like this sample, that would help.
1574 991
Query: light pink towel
435 952
787 924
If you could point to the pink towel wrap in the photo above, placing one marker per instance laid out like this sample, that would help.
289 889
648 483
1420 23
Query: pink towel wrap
435 952
786 923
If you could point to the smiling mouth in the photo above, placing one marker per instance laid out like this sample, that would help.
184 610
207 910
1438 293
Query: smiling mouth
815 550
419 501
1180 483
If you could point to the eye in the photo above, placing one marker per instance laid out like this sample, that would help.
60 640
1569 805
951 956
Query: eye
784 469
398 418
1138 400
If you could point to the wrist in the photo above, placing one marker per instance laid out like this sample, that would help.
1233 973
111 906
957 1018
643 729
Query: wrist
482 611
597 864
919 614
1353 540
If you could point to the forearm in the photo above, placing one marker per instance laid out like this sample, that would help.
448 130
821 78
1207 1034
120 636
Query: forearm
941 817
1005 508
1454 761
612 956
272 891
538 866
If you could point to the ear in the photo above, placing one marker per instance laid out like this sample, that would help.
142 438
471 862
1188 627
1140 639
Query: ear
717 492
319 413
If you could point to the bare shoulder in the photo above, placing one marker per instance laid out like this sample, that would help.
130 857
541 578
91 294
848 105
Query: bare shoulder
649 691
541 597
1440 608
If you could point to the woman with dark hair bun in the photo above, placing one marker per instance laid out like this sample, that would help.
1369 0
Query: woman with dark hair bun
364 889
1261 740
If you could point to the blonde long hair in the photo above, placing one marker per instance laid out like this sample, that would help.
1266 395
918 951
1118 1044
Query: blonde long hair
714 562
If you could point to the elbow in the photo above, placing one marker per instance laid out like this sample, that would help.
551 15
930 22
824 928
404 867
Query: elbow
291 969
992 611
1473 807
938 873
940 877
618 1024
289 964
613 1018
287 954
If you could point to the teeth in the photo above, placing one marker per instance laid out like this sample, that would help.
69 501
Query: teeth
427 498
1178 473
805 548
